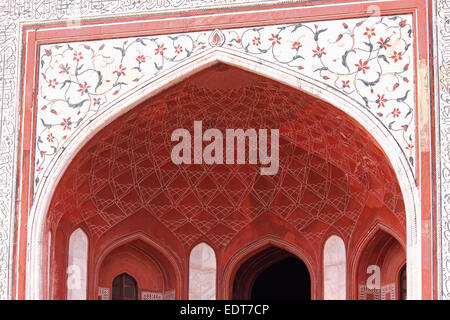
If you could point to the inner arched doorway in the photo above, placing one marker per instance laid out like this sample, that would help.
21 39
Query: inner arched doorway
135 270
272 274
381 273
287 279
124 287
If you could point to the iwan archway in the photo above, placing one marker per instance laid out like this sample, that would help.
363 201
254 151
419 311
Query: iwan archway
382 199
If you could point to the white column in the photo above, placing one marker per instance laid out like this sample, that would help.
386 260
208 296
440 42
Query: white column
334 269
202 273
77 267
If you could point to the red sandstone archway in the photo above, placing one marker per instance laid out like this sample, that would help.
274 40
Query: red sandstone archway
245 264
333 177
151 270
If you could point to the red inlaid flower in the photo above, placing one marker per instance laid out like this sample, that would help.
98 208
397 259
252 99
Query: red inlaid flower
346 84
384 44
396 56
64 69
296 45
50 137
52 83
362 66
140 58
276 39
120 70
319 52
402 23
256 41
96 101
370 32
66 124
77 56
381 100
396 112
179 49
83 88
160 50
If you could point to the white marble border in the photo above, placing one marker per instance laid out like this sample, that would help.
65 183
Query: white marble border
441 15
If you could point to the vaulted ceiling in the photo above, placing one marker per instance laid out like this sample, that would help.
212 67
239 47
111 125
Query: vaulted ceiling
330 167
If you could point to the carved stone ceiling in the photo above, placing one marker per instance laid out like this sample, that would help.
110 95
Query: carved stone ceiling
330 168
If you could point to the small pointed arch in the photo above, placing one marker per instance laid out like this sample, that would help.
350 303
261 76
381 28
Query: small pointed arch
334 269
379 261
77 266
202 273
124 287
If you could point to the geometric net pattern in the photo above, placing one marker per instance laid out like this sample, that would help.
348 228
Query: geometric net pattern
330 168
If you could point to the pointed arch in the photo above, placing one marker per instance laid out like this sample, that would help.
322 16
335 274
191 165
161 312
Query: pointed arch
124 287
156 254
377 264
253 249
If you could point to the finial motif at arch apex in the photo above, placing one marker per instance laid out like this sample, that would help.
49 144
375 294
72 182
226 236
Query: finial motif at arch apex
216 38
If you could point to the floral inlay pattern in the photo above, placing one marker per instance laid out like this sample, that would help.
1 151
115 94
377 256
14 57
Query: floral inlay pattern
369 60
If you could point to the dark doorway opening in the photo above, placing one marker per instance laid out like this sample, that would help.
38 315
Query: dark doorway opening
124 288
272 274
284 280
